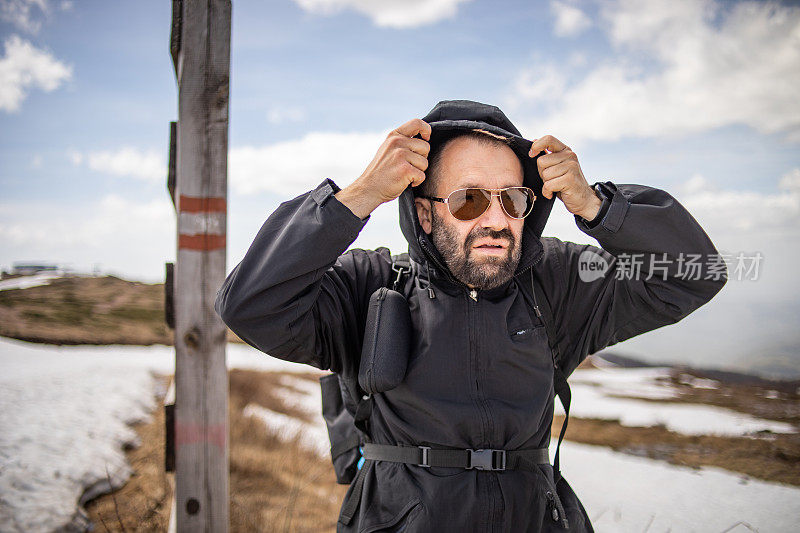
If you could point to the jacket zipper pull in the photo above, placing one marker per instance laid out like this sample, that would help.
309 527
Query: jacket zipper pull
551 502
431 294
533 293
473 294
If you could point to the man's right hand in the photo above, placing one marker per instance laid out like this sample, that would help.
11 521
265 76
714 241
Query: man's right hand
401 160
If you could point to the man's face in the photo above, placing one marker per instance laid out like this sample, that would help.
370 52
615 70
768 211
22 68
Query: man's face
466 162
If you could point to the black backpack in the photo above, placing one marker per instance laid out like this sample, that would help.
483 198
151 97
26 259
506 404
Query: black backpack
346 406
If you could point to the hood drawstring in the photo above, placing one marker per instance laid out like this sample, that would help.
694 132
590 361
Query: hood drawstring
418 279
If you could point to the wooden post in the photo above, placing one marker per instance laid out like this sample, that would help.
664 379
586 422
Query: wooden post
200 47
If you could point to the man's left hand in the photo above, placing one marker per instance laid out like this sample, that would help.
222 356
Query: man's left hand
562 176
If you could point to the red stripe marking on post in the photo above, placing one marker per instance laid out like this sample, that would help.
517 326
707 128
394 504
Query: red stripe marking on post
203 204
195 433
203 242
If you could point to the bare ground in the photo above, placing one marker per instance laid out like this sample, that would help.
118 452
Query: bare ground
274 486
279 486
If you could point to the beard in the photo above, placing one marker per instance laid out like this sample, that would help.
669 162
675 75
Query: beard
483 273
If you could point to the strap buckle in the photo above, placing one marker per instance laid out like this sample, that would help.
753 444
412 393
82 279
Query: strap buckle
425 462
487 460
400 272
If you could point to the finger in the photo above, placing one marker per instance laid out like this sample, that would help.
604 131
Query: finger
415 126
565 167
549 160
418 146
417 160
554 185
548 142
416 177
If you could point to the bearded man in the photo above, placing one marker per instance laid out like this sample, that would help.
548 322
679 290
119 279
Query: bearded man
461 443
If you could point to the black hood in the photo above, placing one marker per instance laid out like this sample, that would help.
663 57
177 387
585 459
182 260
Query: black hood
449 117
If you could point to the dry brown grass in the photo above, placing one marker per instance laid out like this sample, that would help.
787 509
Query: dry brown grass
750 398
143 503
770 457
275 486
85 310
773 458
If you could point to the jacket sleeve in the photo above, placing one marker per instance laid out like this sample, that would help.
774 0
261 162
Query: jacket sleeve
656 266
296 295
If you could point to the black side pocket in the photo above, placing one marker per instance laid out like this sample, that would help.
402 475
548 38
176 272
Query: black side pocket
575 513
387 342
400 522
555 513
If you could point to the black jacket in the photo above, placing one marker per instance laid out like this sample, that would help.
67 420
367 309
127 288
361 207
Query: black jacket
480 375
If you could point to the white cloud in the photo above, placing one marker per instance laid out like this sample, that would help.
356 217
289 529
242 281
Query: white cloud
790 181
24 66
715 65
540 84
735 220
388 13
742 210
148 165
292 167
570 20
75 157
128 237
282 115
26 15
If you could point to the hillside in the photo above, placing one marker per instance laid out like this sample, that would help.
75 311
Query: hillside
86 310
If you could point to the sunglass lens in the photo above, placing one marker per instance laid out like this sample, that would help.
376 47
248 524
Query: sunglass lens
466 204
517 201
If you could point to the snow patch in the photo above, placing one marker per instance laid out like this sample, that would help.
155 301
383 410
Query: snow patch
64 415
304 395
63 424
698 383
594 395
624 493
25 282
650 383
313 436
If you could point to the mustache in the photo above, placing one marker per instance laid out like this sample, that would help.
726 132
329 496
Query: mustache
479 233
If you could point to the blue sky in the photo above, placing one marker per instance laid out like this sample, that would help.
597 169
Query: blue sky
696 97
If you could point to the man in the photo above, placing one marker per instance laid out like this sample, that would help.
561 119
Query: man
479 381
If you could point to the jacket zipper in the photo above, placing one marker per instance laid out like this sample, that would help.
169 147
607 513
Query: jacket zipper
472 302
473 349
473 294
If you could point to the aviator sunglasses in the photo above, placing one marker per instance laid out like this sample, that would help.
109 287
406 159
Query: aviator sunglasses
472 202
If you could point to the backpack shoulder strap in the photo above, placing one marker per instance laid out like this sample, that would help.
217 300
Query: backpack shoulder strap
539 306
401 269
